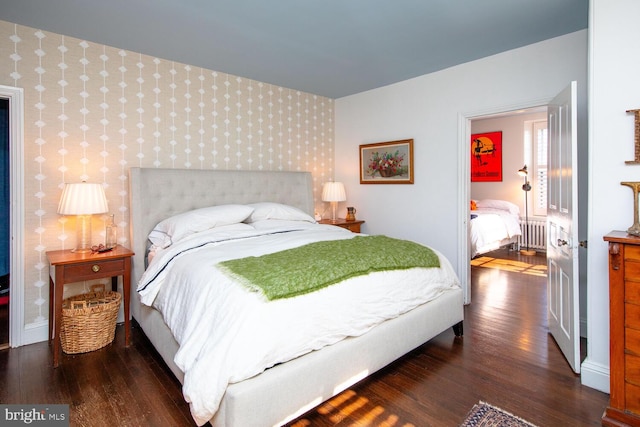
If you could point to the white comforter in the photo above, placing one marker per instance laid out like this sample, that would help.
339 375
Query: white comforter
491 228
227 334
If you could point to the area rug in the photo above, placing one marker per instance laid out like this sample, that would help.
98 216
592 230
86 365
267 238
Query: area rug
485 415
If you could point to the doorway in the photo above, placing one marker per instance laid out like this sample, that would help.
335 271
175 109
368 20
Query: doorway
502 214
4 223
464 138
568 299
13 170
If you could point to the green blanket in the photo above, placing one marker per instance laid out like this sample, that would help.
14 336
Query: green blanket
317 265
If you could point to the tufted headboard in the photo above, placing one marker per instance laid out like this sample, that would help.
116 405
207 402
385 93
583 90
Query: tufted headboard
156 194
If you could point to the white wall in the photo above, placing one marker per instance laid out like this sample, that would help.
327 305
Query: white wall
435 109
510 188
426 108
614 88
429 109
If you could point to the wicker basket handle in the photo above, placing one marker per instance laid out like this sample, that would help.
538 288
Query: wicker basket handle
78 304
98 287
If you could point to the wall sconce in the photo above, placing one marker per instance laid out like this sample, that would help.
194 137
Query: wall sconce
333 192
83 199
526 187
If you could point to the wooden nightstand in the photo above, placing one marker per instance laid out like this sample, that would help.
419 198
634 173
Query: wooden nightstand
71 267
353 226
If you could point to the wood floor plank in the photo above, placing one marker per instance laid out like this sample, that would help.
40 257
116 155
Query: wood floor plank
506 358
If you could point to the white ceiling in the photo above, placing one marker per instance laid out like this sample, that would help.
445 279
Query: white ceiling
332 48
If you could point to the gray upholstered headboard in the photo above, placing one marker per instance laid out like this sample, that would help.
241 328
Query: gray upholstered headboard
156 194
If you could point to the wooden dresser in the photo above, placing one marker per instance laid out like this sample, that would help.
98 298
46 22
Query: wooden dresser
624 330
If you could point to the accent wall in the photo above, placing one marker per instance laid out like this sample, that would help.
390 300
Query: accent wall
93 111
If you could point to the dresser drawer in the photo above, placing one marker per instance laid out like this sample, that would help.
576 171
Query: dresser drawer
632 397
632 316
632 271
632 253
98 269
632 341
632 292
632 369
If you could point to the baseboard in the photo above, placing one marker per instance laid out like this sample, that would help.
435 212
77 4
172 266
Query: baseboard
595 375
33 333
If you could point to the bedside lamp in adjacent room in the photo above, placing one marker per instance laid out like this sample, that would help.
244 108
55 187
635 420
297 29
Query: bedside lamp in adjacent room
333 192
83 199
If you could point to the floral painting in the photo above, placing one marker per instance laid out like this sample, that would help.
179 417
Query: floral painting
387 162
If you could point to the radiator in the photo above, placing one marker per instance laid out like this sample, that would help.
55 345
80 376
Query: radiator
537 234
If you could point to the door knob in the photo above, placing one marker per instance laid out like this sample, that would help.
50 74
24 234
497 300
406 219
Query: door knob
561 242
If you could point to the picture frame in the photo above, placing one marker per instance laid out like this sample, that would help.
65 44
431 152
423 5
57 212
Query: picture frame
387 162
486 157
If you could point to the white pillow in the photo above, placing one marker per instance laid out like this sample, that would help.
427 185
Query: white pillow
179 226
499 204
270 210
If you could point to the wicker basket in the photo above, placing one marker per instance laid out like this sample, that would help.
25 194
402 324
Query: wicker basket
89 320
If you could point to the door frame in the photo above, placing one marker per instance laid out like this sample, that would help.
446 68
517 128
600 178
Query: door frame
15 96
464 178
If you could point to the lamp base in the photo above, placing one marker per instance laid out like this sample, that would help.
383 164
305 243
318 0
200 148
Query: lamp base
527 252
334 206
83 235
82 250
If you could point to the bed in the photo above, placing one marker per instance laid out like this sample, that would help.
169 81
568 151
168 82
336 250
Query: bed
494 224
289 388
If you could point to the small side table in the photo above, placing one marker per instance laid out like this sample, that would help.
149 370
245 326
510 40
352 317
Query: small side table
71 267
353 226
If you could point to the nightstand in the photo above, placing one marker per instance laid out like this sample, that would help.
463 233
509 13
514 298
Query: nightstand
353 226
71 267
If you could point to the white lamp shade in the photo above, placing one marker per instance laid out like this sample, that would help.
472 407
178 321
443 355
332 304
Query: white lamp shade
333 192
83 199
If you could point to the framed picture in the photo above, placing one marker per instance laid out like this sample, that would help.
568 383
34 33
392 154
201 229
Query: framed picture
387 162
486 157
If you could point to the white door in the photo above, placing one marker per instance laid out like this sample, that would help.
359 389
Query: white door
562 225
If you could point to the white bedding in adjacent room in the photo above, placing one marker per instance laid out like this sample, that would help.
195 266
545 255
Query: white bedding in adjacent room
493 224
227 333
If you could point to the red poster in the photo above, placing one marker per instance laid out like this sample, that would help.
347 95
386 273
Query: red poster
486 157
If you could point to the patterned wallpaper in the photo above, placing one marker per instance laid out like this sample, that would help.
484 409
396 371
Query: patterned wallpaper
92 111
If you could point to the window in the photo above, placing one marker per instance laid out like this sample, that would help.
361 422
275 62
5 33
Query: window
538 171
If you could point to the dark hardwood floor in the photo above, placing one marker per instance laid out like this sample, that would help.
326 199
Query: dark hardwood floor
505 358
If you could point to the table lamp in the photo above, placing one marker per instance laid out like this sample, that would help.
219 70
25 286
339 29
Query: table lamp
333 192
83 199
